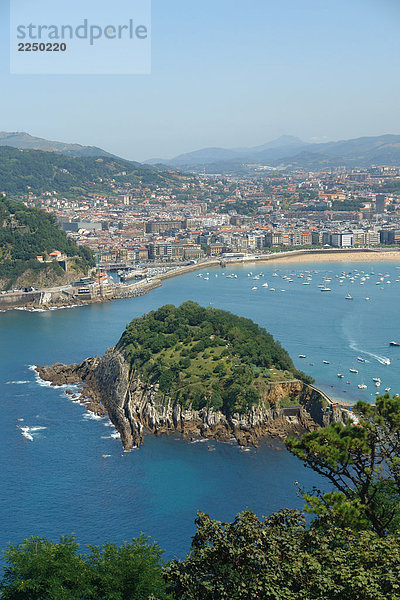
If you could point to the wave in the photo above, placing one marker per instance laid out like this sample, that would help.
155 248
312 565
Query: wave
92 417
26 434
17 382
48 384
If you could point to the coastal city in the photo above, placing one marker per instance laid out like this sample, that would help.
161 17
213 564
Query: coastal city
217 216
199 300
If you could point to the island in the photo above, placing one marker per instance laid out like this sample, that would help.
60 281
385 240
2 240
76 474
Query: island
202 372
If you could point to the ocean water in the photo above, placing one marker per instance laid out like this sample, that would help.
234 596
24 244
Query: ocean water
64 471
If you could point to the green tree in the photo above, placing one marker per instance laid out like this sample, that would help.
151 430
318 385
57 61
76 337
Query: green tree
38 569
362 461
132 571
278 558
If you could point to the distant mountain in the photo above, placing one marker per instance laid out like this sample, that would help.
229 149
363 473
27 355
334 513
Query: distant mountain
283 145
25 141
359 152
291 152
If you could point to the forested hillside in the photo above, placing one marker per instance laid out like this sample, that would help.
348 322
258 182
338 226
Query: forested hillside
23 171
206 357
26 233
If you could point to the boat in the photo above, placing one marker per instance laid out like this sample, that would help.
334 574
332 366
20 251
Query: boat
302 356
387 389
362 386
378 383
394 344
340 376
353 371
367 298
254 288
376 379
326 289
361 359
265 285
326 362
348 297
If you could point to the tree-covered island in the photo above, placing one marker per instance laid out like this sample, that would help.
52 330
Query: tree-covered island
199 372
205 357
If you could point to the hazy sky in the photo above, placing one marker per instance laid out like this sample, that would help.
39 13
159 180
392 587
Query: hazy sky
226 73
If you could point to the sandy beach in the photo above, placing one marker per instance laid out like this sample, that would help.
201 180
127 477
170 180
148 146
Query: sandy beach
315 256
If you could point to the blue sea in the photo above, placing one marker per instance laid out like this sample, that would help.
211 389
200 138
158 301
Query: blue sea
63 471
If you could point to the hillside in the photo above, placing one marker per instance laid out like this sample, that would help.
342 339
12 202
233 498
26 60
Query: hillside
20 139
34 171
26 233
206 357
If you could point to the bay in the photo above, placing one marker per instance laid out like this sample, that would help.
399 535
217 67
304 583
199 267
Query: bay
63 472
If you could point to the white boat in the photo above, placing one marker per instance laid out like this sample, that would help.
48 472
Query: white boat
388 389
340 376
326 289
376 379
378 383
326 362
348 297
362 386
254 288
367 298
302 356
353 371
265 285
206 278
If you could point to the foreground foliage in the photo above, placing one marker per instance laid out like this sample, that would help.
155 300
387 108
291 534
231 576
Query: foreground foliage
278 558
362 461
38 569
206 357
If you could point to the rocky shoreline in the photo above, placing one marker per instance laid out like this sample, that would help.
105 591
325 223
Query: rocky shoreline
108 386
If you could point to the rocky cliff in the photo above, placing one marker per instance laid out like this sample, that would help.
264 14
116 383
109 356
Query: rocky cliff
134 406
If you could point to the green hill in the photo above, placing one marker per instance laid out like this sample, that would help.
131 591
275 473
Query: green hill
26 233
23 171
206 357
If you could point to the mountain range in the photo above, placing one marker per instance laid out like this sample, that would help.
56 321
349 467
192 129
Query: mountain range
284 152
291 152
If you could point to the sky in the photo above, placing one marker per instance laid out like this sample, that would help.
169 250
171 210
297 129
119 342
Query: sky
225 73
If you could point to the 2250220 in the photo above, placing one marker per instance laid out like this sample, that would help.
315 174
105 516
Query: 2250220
41 47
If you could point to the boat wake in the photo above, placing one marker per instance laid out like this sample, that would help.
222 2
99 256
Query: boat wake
383 360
